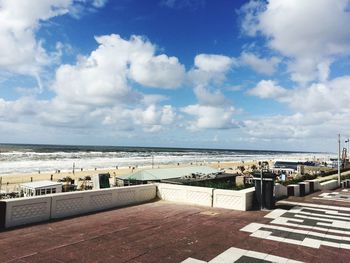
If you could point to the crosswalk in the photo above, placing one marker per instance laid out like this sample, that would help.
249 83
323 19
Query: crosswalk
307 225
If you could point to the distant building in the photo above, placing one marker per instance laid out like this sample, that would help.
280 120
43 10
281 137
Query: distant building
40 188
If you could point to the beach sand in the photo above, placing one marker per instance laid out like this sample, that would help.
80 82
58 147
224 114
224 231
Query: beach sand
10 182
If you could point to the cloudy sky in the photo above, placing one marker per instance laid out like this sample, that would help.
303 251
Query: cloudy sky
180 73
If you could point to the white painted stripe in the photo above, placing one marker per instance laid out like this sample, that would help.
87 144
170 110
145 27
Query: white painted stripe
308 233
334 223
252 227
276 259
229 256
276 213
193 260
232 254
332 216
325 229
315 205
328 212
308 242
333 199
261 234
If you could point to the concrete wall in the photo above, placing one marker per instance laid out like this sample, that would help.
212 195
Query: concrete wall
280 191
230 199
329 185
317 185
296 189
28 210
307 187
185 194
235 200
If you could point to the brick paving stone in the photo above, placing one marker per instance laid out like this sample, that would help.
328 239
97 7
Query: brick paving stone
154 232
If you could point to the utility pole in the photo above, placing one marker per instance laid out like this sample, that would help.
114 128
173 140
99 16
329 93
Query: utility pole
152 160
338 159
73 168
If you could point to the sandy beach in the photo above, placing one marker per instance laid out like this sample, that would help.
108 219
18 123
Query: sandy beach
10 182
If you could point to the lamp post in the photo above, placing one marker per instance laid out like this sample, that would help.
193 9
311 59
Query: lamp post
261 188
338 159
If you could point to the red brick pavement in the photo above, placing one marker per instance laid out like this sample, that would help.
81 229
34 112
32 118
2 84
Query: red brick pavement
152 232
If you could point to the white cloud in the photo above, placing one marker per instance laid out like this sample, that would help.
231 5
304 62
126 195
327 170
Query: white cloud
268 89
205 97
321 111
157 71
331 96
260 65
150 118
210 117
303 127
104 76
20 50
213 63
213 110
310 33
210 68
99 3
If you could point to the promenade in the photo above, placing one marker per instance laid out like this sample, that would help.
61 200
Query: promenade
315 228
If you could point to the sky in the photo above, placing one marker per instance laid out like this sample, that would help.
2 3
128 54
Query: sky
265 75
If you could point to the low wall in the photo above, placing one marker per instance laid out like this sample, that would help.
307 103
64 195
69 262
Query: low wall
76 203
280 191
329 185
306 186
230 199
296 189
185 194
28 210
345 183
235 200
316 184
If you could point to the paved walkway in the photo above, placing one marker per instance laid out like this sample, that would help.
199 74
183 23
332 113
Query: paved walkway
300 229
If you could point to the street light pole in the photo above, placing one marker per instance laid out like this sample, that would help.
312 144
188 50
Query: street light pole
261 188
338 159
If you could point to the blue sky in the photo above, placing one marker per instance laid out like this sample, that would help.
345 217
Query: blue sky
180 73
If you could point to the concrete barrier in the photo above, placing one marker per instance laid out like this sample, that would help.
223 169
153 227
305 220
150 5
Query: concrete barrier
329 185
236 200
280 191
314 185
22 211
304 188
185 194
75 203
345 183
293 190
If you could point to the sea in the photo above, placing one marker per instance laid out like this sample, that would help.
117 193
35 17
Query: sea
28 158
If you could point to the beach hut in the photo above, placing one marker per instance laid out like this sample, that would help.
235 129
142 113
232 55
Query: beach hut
40 188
